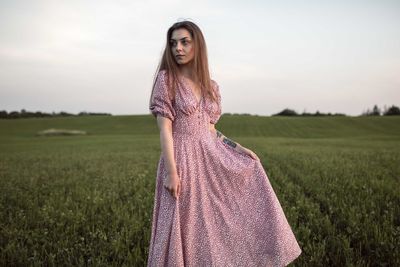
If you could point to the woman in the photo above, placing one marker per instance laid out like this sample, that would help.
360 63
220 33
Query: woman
213 204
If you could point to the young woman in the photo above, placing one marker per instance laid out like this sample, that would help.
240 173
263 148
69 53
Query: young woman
213 204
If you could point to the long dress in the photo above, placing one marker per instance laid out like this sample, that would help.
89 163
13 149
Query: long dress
227 213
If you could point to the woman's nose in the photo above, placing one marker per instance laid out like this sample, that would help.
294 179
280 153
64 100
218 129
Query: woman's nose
178 47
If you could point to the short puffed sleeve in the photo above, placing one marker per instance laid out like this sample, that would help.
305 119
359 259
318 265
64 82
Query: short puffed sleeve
160 102
216 111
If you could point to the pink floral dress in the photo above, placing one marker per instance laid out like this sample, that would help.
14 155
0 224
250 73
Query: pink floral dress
227 213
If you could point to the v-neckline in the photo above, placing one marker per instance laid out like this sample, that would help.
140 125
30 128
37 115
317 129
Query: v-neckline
198 101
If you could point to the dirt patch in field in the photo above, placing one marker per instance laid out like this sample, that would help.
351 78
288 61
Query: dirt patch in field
53 132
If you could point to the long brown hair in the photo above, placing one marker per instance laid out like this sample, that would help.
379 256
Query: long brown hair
201 74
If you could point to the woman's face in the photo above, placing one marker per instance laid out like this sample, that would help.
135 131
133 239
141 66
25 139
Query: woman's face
182 46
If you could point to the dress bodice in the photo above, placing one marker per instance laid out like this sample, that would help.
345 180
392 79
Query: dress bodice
189 116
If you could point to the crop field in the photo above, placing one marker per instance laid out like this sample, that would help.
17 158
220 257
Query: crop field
87 200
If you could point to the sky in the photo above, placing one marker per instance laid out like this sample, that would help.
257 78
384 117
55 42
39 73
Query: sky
101 56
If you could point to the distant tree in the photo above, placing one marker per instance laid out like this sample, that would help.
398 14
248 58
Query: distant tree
64 114
286 112
13 115
376 111
393 110
3 114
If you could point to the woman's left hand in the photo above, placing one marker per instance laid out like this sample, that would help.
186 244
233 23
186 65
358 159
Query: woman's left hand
247 151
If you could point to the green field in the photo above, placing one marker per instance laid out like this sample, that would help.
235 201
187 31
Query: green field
88 200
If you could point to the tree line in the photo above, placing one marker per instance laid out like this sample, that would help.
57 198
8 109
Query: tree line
386 111
38 114
375 111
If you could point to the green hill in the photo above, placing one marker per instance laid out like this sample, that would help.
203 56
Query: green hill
231 125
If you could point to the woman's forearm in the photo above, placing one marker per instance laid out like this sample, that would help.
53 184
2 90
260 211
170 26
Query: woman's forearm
227 141
167 145
235 145
224 139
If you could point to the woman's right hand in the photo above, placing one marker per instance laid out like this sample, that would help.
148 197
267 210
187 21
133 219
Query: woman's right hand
173 184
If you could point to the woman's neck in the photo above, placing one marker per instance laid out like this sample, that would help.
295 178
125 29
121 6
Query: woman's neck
186 70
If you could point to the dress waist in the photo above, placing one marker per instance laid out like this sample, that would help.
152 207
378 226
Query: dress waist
192 133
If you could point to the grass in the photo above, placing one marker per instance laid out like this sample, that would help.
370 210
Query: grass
88 199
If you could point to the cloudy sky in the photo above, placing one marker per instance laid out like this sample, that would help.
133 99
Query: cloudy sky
100 56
